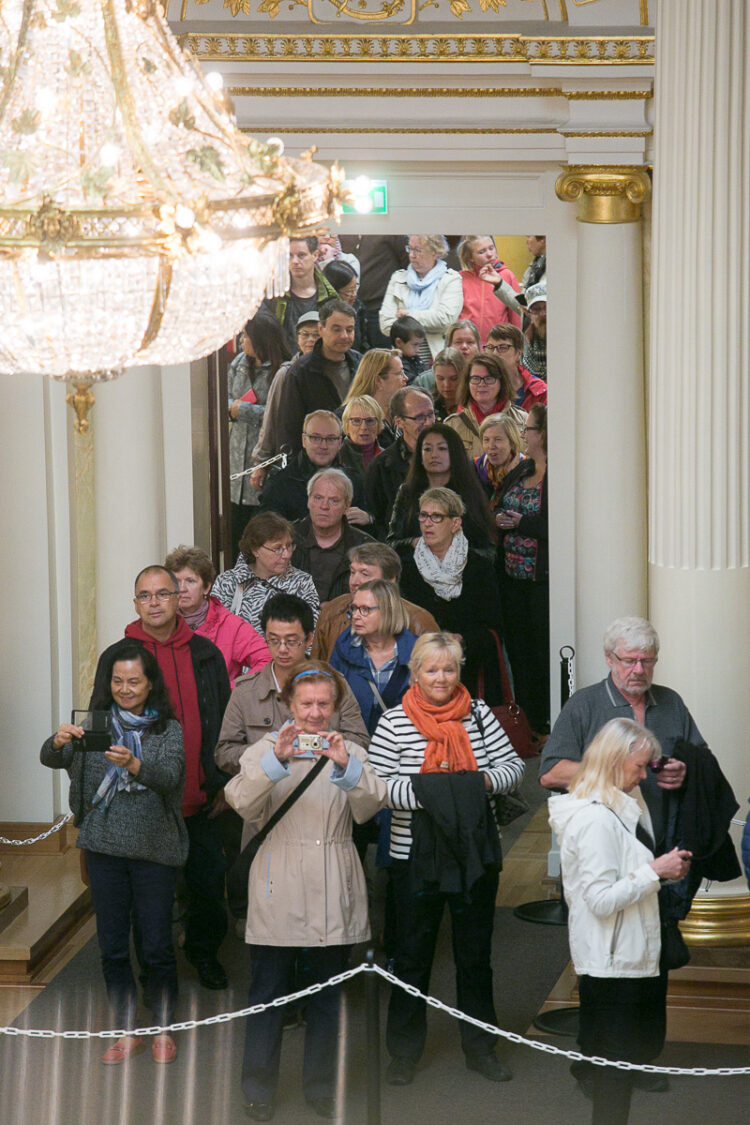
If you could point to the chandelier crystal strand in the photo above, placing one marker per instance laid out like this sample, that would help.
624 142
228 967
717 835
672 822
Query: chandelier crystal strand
138 225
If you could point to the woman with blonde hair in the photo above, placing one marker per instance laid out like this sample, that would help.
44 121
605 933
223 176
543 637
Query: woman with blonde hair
439 745
380 374
481 270
362 421
611 882
428 290
502 443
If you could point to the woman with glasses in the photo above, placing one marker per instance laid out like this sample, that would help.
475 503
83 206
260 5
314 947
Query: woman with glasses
373 653
362 422
457 585
249 379
345 281
428 290
263 568
485 390
506 342
480 273
461 338
380 374
502 443
441 462
523 562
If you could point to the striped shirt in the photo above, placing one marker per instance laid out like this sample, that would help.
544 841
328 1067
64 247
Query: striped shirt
397 751
255 591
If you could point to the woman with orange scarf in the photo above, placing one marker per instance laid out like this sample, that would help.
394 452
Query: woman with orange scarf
440 751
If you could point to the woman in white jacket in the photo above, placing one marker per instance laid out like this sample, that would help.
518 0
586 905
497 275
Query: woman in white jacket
428 290
611 882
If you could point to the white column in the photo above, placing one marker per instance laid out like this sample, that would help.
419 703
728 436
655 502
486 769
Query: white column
699 427
609 448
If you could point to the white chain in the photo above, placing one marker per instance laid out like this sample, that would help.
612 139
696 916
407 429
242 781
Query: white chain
571 674
37 839
340 978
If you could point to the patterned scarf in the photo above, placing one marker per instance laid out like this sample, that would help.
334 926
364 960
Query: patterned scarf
448 746
126 731
422 289
444 575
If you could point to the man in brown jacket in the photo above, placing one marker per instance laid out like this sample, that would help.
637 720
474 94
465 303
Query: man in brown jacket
254 708
367 561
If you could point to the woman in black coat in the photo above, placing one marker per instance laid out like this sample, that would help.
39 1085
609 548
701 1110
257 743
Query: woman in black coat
457 585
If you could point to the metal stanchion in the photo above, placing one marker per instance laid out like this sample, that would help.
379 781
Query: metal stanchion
372 1005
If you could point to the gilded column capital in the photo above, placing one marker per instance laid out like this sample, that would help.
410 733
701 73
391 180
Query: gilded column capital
605 193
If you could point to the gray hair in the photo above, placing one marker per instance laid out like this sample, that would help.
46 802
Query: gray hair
445 498
436 244
338 477
633 633
429 644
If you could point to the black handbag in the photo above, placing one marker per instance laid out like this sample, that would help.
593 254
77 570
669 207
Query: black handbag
239 873
507 806
674 952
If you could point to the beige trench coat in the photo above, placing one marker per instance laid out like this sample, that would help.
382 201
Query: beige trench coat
306 885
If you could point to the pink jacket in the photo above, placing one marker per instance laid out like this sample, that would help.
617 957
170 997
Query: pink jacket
240 645
482 306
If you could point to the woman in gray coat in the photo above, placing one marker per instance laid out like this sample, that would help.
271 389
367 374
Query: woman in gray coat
127 804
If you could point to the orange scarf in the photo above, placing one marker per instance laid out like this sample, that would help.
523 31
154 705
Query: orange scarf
448 747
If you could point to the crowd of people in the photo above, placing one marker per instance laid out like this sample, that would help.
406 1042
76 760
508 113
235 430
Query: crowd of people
336 687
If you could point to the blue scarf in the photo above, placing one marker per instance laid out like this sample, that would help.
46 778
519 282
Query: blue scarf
126 730
422 289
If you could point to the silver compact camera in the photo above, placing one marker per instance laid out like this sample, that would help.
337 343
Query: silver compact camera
310 743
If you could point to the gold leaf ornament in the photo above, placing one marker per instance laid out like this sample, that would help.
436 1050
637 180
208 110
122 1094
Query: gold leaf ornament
208 160
495 5
95 182
77 66
271 7
181 115
27 122
66 9
458 7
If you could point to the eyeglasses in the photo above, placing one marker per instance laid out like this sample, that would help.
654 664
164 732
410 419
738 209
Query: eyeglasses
362 610
526 429
286 549
427 417
499 347
482 380
432 517
363 421
318 439
284 642
631 661
305 336
414 249
159 596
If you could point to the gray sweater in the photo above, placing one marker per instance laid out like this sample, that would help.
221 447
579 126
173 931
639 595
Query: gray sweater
140 824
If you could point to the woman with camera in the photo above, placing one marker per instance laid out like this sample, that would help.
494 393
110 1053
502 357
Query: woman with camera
127 805
306 891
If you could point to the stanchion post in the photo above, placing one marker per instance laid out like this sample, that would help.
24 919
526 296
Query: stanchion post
372 1003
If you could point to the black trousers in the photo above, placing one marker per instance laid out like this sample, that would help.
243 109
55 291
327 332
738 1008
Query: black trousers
277 971
419 918
205 913
621 1018
526 618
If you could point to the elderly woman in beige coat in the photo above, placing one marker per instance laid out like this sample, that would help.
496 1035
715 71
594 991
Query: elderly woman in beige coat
307 895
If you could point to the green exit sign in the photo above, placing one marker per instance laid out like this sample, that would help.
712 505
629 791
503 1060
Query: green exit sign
368 197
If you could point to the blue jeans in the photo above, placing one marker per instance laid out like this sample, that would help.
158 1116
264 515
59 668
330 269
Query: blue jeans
120 886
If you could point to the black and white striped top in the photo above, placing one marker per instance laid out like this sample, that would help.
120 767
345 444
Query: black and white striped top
397 751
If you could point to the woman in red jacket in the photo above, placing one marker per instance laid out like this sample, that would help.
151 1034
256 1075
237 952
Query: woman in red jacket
478 257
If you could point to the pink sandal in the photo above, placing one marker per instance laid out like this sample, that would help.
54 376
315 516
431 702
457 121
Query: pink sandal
164 1049
123 1049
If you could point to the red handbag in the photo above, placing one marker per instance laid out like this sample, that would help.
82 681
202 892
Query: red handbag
509 714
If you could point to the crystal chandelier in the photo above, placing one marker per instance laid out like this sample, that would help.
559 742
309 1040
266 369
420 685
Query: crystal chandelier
138 225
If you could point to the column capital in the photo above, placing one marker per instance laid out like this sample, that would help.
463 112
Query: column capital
605 193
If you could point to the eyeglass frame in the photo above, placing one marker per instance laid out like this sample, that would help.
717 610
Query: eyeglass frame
145 596
278 551
318 439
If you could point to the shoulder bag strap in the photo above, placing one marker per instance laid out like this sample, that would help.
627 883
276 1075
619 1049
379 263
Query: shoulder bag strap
285 806
378 696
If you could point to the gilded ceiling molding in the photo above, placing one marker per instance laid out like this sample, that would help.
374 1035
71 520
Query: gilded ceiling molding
315 130
605 132
420 92
600 50
605 193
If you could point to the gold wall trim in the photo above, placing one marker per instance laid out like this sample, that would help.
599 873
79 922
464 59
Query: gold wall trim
606 95
600 50
427 92
605 193
605 132
718 921
315 130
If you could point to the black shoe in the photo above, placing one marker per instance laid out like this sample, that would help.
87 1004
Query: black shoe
400 1072
651 1083
490 1067
584 1075
259 1111
324 1107
211 975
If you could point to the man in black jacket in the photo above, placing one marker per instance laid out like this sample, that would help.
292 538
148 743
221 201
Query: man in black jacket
198 686
323 539
285 492
412 410
320 380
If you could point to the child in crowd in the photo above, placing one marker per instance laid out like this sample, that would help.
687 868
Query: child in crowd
407 334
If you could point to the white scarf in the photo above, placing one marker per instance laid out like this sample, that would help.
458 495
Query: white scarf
444 575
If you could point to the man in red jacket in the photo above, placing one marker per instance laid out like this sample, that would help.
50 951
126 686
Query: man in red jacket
198 685
505 342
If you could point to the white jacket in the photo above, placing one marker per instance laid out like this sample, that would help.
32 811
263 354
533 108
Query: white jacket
445 308
609 885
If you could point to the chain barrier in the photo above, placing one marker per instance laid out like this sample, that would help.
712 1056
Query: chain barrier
43 836
432 1001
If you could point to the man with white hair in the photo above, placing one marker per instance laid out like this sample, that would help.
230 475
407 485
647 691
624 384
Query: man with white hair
323 539
631 649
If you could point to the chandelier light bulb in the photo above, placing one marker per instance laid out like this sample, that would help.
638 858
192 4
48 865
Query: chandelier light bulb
109 153
184 216
276 144
215 80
